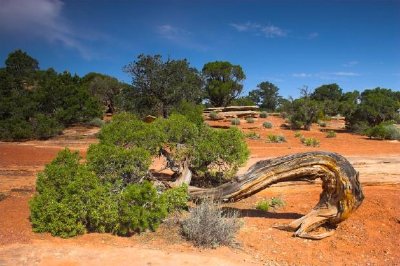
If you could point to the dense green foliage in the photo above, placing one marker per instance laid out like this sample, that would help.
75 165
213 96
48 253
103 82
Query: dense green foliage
158 86
330 95
39 104
223 82
266 96
385 130
303 112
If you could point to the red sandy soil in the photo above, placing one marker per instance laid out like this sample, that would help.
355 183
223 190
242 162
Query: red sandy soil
369 237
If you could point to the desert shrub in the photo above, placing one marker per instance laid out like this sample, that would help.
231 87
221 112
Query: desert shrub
263 115
96 122
177 129
15 129
118 165
267 204
331 134
45 126
235 121
298 134
140 208
192 112
125 130
284 115
322 123
252 135
64 187
207 226
249 119
214 115
313 142
176 198
276 138
267 125
384 131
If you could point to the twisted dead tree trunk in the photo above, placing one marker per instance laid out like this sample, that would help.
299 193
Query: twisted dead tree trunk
341 189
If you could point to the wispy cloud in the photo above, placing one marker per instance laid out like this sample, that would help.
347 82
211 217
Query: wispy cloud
43 19
346 74
301 75
269 31
312 35
180 36
350 63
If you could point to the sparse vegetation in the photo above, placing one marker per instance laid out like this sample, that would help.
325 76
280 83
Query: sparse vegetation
322 123
273 203
249 119
276 138
208 226
331 134
252 135
235 121
263 114
214 115
313 142
267 125
297 134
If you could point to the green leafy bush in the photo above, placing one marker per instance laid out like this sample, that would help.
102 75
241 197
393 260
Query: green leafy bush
207 226
192 112
45 127
331 134
235 121
267 125
313 142
263 115
252 135
176 198
118 165
250 120
276 138
384 131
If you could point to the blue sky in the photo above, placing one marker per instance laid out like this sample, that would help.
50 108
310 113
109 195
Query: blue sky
289 43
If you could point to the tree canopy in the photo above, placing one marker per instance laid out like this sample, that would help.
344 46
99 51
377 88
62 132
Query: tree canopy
223 82
266 96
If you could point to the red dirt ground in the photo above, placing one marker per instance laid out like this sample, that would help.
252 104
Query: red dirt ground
369 237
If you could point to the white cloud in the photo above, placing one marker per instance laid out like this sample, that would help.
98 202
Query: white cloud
180 37
351 63
40 18
269 31
347 74
301 75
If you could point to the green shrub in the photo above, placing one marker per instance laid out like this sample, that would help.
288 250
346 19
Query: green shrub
214 116
118 165
140 208
298 134
322 123
267 125
235 121
267 204
331 134
384 131
176 198
249 119
276 138
263 115
96 122
15 129
252 135
207 226
313 142
45 126
192 112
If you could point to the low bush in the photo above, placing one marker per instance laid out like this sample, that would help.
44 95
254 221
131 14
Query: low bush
331 134
384 131
313 142
235 121
214 116
252 135
267 204
298 134
263 115
267 125
207 226
322 123
250 120
276 138
96 122
176 198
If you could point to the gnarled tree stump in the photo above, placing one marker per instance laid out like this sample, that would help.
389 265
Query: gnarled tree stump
341 194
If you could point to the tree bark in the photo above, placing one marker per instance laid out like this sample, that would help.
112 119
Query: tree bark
341 190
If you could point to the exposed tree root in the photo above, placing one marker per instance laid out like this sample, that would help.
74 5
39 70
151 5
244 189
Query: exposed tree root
341 190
